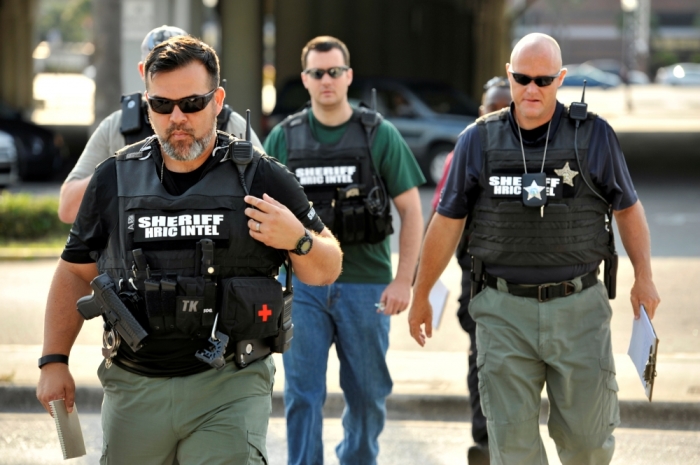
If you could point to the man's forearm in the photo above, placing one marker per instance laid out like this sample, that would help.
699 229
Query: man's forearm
322 265
71 196
634 233
440 242
62 322
410 238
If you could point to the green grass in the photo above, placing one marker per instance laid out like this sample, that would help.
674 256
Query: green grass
44 243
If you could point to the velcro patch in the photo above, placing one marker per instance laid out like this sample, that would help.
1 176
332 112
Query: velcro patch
164 226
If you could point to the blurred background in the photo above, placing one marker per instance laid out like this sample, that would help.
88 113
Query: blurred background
65 63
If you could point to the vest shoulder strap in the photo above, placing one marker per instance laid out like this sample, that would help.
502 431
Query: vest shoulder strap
296 119
136 150
493 116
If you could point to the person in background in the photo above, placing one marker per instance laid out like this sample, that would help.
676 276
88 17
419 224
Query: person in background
126 126
351 163
496 96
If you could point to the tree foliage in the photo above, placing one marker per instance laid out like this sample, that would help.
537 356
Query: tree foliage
72 18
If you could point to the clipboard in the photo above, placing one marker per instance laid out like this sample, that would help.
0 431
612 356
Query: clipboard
438 300
643 350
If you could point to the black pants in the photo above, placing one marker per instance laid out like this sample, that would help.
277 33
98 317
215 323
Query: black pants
479 433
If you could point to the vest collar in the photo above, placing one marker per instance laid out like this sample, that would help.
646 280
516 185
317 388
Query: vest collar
556 119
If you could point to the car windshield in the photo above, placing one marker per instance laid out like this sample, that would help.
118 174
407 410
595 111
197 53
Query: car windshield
443 99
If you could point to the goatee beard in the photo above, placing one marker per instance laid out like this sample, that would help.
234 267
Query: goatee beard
181 151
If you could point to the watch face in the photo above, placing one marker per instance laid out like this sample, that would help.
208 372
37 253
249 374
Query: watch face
305 246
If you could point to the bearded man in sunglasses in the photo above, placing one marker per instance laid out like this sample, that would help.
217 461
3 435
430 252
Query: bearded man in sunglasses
187 237
537 181
124 127
351 162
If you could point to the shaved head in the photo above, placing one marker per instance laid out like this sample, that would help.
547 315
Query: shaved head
540 45
535 55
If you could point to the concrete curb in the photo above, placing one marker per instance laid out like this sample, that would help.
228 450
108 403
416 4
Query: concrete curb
402 407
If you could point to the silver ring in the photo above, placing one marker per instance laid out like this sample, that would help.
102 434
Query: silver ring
257 227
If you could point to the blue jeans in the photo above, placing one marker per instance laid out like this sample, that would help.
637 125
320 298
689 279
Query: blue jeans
344 314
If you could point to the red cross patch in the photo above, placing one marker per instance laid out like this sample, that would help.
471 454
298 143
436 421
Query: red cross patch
264 313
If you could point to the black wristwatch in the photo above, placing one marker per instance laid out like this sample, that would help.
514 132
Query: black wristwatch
304 244
53 358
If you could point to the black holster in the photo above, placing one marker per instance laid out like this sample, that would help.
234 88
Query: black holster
477 276
610 275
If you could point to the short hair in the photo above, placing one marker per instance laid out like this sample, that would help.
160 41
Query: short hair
178 52
497 81
324 44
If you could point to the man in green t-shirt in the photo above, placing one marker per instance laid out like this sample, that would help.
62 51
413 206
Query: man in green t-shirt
350 162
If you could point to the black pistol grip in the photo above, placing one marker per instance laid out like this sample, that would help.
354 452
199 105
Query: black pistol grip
88 307
128 328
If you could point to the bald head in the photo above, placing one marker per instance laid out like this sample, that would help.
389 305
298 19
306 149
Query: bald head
540 45
535 56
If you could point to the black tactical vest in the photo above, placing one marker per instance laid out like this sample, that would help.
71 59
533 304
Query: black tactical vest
572 227
141 127
180 260
341 180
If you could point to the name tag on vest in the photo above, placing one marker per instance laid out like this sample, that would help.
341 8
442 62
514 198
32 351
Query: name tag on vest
162 226
327 175
509 185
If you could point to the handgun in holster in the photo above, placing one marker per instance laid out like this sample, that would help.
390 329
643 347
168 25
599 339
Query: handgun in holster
476 276
105 301
610 275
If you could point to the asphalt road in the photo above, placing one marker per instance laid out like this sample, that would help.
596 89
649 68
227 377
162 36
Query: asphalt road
30 439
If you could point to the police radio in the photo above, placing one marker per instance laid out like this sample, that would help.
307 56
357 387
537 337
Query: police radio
579 110
132 112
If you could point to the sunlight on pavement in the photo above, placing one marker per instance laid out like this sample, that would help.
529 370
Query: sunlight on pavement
63 99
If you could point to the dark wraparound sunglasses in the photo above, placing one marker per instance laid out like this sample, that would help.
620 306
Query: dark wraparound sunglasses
191 104
540 81
334 72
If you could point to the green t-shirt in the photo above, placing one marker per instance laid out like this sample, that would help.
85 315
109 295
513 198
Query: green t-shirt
364 263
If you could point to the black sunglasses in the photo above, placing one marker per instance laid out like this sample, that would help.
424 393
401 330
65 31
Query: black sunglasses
540 81
191 104
334 72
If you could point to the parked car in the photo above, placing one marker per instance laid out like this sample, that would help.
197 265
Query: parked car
575 74
9 171
680 74
428 114
609 65
38 157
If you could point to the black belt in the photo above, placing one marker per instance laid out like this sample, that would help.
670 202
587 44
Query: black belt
545 292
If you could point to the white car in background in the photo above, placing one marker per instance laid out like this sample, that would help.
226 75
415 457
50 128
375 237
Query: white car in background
680 74
9 171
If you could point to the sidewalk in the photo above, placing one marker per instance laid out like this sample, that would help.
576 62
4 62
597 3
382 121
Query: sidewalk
429 383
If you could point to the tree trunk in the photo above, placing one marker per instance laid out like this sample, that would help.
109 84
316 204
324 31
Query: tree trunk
108 57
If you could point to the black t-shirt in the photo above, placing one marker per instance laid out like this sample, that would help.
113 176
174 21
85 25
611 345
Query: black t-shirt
605 163
98 217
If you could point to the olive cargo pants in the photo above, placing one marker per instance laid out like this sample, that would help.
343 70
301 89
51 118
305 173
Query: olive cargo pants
564 342
213 417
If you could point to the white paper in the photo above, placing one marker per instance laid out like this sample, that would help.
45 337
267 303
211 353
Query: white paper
642 343
438 299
